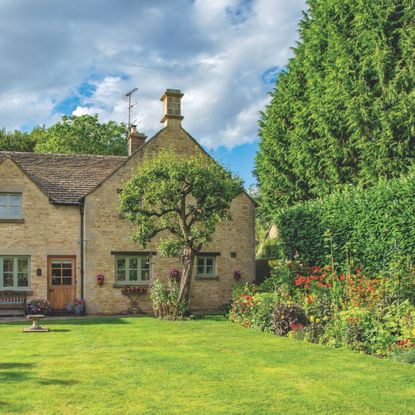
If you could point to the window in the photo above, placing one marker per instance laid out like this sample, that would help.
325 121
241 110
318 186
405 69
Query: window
14 272
132 269
206 266
10 206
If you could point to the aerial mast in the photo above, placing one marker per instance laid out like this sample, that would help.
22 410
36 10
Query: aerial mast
131 104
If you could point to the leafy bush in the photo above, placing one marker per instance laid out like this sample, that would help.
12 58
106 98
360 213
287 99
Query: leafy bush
287 316
404 351
281 274
250 308
371 226
165 298
261 314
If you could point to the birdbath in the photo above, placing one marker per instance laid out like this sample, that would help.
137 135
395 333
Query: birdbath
35 327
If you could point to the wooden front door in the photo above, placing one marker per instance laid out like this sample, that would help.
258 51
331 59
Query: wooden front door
61 281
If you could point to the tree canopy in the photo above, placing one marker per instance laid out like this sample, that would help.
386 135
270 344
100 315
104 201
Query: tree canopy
184 197
343 111
19 141
72 134
85 135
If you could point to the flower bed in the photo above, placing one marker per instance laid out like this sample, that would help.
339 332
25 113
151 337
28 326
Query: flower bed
318 305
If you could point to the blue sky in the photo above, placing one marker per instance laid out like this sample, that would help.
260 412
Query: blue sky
81 57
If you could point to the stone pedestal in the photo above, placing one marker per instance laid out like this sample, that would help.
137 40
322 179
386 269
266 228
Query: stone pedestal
35 327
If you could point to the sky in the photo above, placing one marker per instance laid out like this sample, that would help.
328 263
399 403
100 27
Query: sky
81 56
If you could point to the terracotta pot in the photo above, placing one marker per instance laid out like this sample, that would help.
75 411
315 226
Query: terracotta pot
100 283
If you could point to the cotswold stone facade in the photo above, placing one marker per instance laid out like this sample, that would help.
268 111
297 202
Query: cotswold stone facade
68 229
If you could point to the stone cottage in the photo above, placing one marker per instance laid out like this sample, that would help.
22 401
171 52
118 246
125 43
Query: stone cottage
59 228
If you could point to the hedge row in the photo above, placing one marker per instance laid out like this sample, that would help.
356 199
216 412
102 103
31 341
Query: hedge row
374 227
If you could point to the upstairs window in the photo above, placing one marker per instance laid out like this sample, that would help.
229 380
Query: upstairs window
130 270
10 206
14 272
206 267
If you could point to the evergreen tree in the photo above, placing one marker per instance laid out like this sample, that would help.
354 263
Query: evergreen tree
343 112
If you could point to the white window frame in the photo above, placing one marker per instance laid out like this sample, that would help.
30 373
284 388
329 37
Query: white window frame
206 274
141 259
9 205
15 259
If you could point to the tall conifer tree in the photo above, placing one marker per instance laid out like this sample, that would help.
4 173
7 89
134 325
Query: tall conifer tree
343 111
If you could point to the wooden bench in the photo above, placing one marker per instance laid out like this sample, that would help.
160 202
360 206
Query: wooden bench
12 303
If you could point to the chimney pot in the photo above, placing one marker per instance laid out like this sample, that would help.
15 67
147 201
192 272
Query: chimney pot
135 140
172 116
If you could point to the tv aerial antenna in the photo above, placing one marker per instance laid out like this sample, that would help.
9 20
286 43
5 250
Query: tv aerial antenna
128 97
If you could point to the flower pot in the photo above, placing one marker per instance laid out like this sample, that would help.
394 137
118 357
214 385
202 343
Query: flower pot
79 310
100 283
70 308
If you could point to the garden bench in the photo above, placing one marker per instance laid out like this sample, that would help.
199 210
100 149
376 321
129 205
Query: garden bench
12 303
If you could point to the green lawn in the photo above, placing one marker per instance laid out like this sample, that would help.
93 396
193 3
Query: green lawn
145 366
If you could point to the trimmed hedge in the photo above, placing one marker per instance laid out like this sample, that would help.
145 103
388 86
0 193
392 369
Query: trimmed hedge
375 227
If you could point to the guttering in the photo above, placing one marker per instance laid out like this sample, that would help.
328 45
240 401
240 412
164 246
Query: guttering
82 260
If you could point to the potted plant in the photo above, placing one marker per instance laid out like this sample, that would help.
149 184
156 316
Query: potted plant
79 307
38 306
100 279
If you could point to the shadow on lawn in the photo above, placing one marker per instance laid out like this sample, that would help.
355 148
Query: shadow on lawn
83 321
23 372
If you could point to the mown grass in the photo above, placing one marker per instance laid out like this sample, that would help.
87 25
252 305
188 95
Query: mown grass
145 366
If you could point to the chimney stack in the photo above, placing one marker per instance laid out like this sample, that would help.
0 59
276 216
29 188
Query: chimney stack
135 140
171 108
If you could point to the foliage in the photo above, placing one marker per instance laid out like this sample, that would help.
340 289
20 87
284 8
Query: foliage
84 135
363 313
343 111
20 141
281 275
186 196
165 298
372 228
286 317
251 308
404 351
38 306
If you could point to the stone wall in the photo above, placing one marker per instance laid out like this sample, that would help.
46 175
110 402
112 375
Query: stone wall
46 229
106 232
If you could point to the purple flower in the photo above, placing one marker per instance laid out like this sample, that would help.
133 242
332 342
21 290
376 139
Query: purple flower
237 275
175 274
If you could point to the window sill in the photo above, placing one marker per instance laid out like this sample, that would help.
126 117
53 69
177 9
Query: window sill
11 220
25 291
207 278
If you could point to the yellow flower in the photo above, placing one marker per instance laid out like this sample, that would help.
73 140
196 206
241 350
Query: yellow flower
311 318
413 332
318 320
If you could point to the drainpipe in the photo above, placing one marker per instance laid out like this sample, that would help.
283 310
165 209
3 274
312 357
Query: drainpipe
82 213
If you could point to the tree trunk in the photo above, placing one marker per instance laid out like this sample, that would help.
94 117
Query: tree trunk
188 262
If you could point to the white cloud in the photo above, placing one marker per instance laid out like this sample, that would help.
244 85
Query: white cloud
215 51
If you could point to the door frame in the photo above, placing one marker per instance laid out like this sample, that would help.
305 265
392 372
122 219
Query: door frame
49 273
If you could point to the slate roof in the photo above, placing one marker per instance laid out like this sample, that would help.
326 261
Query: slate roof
65 178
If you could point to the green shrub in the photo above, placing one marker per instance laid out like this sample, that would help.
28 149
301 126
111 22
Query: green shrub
165 298
372 226
405 356
286 317
261 315
250 308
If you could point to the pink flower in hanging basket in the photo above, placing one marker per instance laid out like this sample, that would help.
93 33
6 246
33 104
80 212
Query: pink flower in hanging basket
100 277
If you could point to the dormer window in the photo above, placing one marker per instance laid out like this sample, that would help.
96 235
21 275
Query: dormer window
10 206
